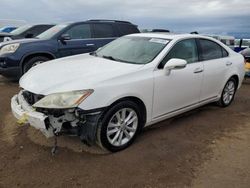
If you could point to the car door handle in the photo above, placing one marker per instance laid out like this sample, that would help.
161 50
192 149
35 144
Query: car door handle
198 70
90 44
228 63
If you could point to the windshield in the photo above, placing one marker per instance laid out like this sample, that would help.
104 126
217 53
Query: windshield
51 32
21 29
136 50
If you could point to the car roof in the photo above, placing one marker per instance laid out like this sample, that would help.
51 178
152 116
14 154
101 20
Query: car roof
7 27
98 21
41 24
221 36
170 36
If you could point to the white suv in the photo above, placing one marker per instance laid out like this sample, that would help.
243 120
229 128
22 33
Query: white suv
108 96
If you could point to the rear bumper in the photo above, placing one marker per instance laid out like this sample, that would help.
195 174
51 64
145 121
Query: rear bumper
26 114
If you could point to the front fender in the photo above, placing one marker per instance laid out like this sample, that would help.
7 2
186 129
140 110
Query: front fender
106 95
45 47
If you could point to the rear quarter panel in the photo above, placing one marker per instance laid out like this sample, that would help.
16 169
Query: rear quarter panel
238 67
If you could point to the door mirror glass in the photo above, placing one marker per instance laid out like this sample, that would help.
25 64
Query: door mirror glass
175 63
65 37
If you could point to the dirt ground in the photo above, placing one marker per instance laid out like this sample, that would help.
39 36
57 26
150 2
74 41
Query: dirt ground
207 147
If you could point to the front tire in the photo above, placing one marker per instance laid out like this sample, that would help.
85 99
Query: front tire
228 93
120 126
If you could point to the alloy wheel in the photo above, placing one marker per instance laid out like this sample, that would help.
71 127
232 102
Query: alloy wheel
228 92
122 127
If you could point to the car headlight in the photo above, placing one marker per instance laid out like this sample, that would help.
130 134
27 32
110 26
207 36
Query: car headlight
10 48
63 100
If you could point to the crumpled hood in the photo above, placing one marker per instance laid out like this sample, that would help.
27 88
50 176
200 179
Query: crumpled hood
73 73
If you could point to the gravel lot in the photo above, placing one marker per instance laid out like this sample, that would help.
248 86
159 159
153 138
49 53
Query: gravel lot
207 147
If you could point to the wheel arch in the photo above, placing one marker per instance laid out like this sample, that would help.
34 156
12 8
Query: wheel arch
31 55
222 103
136 100
236 77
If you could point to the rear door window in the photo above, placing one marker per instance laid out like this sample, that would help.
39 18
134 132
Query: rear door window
103 31
224 52
210 50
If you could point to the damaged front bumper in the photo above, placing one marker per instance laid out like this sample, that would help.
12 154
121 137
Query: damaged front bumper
25 113
54 122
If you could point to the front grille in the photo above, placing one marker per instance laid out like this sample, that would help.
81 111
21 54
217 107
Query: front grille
31 98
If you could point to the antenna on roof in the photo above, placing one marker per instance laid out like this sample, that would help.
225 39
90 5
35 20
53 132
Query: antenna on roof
194 32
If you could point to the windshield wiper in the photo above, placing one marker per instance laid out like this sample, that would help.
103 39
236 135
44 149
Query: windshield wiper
116 59
93 53
109 57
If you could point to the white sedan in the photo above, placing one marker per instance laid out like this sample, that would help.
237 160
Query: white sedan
108 96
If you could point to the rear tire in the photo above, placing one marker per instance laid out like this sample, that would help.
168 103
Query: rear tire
33 62
228 93
119 126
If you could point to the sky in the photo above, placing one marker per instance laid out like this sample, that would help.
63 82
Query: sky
205 16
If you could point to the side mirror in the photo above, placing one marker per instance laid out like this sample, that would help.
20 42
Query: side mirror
29 35
65 37
175 64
